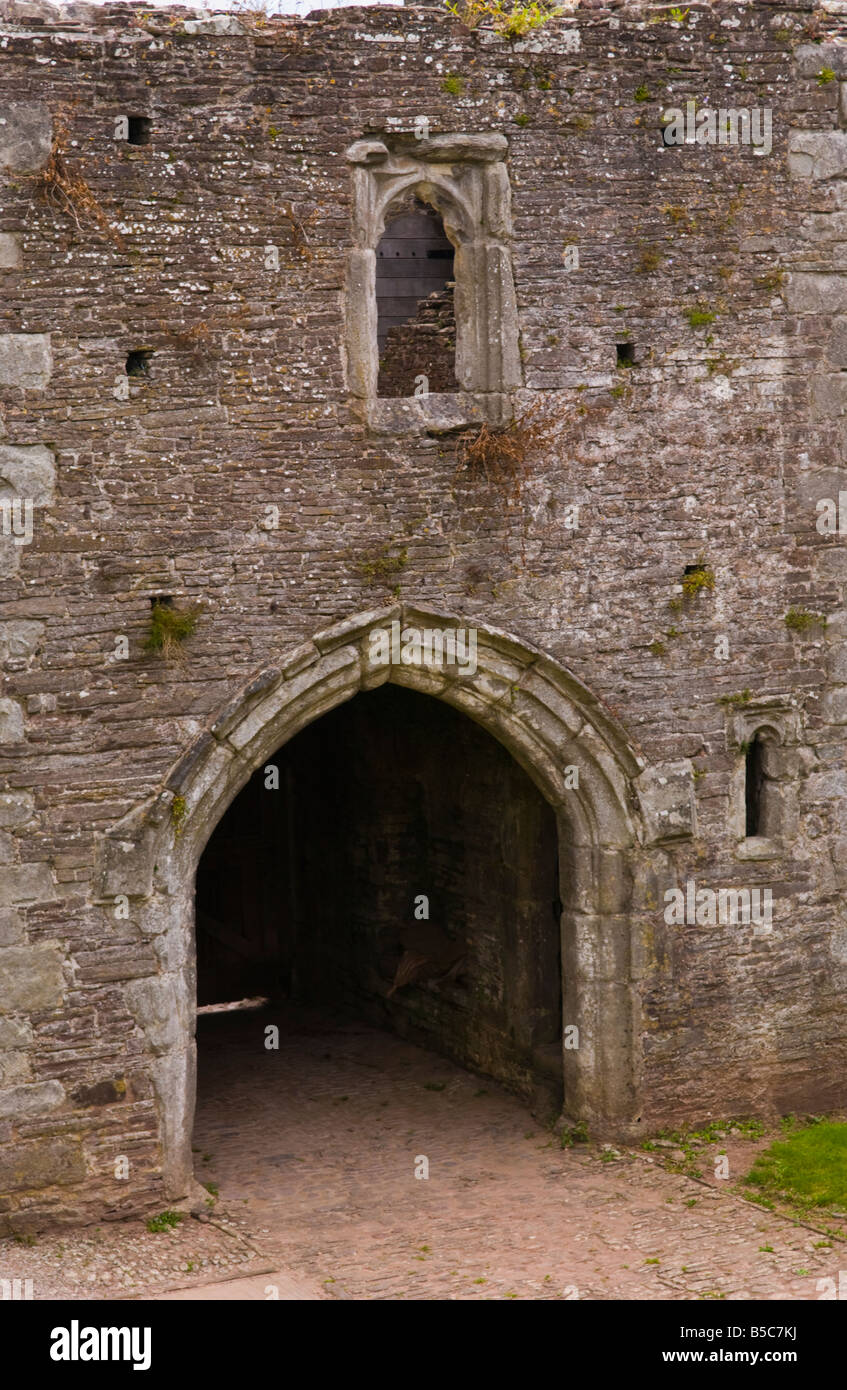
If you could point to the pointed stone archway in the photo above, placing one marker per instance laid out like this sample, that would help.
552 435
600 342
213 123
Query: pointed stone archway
549 722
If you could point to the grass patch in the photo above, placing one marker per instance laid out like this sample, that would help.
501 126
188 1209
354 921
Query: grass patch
165 1221
800 620
809 1167
169 628
698 318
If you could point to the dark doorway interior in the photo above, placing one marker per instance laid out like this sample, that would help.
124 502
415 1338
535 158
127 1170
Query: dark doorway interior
308 893
416 328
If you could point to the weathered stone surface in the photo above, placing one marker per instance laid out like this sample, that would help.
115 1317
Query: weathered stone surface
16 808
666 793
14 1033
26 883
11 721
812 58
30 978
30 471
26 131
818 154
26 360
11 926
19 640
14 1068
36 1099
816 294
10 251
42 1164
158 1007
128 865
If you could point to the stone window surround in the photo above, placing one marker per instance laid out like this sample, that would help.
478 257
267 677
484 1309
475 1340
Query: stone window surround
464 178
777 720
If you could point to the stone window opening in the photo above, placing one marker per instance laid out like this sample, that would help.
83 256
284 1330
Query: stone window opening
416 325
139 130
138 362
625 354
763 802
460 185
755 792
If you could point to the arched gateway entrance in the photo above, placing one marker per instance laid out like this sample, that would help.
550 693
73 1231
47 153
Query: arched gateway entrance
561 736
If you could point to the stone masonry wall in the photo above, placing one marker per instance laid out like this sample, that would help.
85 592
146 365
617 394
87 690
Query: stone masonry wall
425 345
219 249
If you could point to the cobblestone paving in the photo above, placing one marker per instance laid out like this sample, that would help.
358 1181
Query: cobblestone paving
315 1146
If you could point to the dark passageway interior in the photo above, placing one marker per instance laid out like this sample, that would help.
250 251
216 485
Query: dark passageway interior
394 861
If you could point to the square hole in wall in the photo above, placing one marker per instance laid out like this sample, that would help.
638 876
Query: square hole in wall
626 354
140 129
138 362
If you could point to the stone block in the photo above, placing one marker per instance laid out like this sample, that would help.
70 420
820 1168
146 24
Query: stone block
829 394
15 1033
26 360
807 292
26 135
30 471
812 58
16 808
19 640
666 794
30 978
159 1009
11 721
11 927
10 251
40 1164
128 866
14 1068
36 1099
817 154
26 883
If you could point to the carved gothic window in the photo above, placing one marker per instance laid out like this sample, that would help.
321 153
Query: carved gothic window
458 186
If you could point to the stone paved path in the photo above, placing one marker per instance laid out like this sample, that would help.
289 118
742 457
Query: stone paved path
314 1148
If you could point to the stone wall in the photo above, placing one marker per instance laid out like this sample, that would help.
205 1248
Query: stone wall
239 475
425 346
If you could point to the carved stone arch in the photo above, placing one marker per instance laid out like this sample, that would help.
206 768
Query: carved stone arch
549 722
437 190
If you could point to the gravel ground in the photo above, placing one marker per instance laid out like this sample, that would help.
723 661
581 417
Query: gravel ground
124 1259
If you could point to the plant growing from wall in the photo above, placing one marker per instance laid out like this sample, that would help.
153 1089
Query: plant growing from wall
169 628
503 456
382 565
699 317
64 189
696 579
800 620
736 701
510 21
